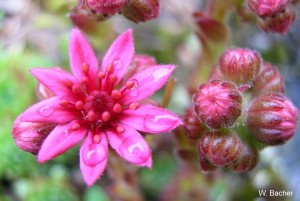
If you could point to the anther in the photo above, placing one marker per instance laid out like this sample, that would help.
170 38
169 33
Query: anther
129 84
115 94
97 138
84 80
79 105
64 103
85 68
91 116
68 83
75 126
134 106
101 75
110 69
105 116
113 78
117 108
76 89
120 129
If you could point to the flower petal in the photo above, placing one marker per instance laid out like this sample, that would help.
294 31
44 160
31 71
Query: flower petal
54 79
120 54
93 158
48 111
147 82
150 119
80 52
61 139
131 146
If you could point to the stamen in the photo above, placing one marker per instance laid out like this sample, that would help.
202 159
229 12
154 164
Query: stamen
76 89
101 75
85 68
113 78
110 69
105 116
75 126
129 84
134 106
115 94
68 83
79 105
91 115
84 80
64 103
117 108
120 129
97 138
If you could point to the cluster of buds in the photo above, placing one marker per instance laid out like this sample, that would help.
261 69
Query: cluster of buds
274 16
134 10
239 111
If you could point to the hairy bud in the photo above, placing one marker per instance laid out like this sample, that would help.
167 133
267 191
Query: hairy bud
192 126
265 8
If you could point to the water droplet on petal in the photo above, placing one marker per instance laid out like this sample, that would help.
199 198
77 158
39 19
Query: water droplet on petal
45 111
134 91
134 150
160 123
94 154
67 132
118 64
160 73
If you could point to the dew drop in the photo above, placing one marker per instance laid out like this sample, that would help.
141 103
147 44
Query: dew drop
94 154
45 111
160 123
134 91
118 64
134 150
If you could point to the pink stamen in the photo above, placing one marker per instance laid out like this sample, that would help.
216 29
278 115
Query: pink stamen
115 94
79 105
64 103
85 68
84 80
129 84
113 78
120 129
106 116
75 126
110 69
68 83
76 89
97 139
117 108
91 115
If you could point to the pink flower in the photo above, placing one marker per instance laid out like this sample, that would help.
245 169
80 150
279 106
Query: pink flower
99 105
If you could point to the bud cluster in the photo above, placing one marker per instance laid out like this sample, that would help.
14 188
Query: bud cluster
134 10
275 16
240 110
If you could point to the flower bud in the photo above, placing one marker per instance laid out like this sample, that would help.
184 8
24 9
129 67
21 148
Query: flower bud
240 65
247 160
220 148
218 104
272 119
104 7
205 165
268 80
141 11
265 8
279 23
192 126
30 136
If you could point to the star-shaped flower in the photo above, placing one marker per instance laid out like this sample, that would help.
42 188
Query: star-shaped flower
99 105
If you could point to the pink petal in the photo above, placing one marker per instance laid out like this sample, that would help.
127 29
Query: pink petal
131 146
120 54
151 119
54 79
80 52
61 139
48 111
147 82
93 158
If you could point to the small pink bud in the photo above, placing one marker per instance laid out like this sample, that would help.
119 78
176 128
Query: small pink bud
265 8
30 136
105 7
279 23
272 119
192 126
218 104
141 10
268 80
247 160
220 148
240 65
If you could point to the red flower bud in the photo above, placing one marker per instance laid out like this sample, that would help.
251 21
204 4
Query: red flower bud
205 165
218 104
247 160
268 80
272 119
220 148
30 136
265 8
192 126
240 65
279 23
141 11
104 7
